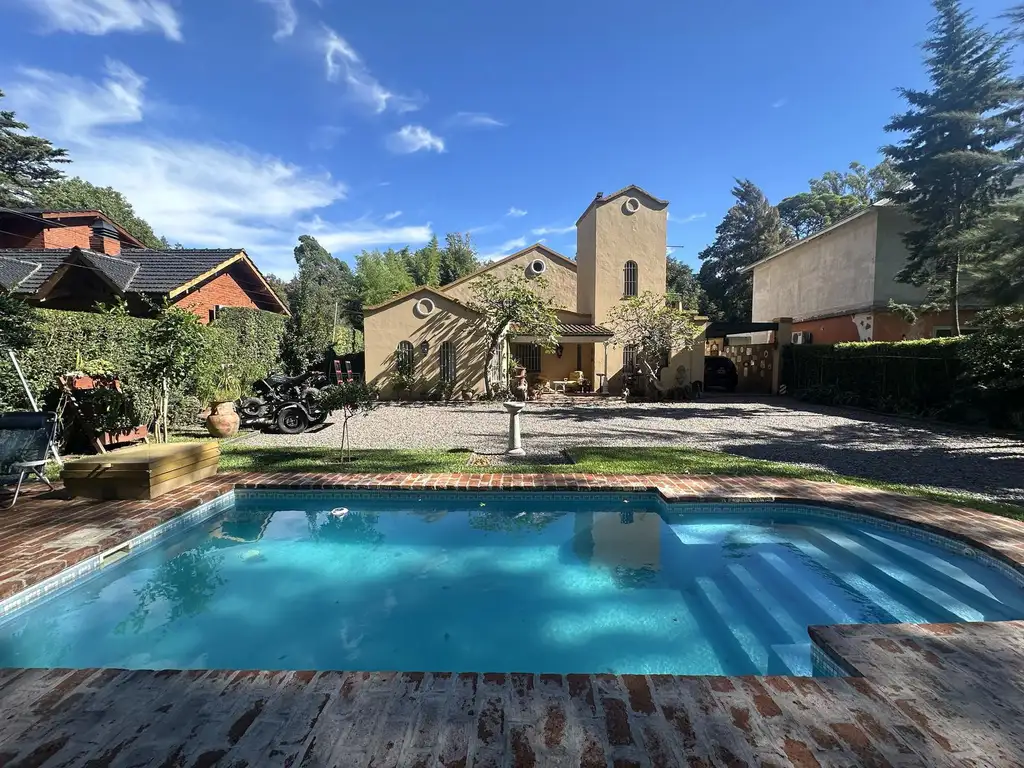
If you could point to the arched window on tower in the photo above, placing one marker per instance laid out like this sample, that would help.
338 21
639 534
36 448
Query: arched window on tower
630 279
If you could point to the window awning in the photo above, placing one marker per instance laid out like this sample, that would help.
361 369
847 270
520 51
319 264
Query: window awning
573 333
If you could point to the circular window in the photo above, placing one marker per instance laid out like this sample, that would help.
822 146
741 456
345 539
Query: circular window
423 307
536 267
631 206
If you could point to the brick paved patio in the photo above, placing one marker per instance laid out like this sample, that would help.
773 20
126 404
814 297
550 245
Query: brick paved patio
928 694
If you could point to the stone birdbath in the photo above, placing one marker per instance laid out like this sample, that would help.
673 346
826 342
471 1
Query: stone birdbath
515 436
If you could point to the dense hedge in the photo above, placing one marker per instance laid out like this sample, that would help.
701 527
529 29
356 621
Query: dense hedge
930 377
253 342
114 342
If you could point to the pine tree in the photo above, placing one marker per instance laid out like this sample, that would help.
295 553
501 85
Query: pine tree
750 231
26 162
953 154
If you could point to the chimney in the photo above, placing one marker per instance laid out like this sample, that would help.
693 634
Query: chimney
105 238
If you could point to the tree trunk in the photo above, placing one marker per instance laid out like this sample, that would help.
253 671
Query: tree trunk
492 349
164 408
954 290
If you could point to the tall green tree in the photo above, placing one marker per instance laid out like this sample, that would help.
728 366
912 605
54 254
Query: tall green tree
838 194
382 274
424 265
682 282
27 163
79 193
953 151
867 185
458 258
750 231
322 291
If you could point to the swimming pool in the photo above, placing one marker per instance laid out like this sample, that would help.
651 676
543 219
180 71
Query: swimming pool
488 582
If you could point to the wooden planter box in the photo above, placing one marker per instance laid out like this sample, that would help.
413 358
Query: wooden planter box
141 472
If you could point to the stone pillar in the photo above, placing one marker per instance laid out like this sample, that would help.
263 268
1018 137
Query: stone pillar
515 436
783 338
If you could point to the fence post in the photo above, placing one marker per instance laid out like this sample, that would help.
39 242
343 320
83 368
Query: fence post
783 338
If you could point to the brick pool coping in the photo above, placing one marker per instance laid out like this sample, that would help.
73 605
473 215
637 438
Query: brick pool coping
929 694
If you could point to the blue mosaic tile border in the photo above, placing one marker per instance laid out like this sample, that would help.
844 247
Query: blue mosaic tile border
242 495
824 666
140 543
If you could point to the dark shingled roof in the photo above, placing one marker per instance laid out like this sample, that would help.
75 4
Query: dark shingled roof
119 271
155 271
14 272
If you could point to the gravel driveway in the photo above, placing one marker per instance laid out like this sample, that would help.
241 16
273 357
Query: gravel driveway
840 440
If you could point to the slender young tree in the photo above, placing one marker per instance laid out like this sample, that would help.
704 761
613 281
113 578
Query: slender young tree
27 163
750 231
954 149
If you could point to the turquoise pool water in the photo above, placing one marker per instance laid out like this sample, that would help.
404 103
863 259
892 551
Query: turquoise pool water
524 582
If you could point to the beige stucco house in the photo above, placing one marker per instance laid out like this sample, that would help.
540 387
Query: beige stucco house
837 283
620 252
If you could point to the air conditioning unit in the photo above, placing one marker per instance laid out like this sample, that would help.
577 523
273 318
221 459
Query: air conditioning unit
801 337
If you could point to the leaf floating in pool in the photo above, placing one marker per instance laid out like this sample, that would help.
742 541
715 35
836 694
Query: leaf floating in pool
253 556
482 504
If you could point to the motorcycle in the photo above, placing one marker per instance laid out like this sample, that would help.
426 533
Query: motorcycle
289 403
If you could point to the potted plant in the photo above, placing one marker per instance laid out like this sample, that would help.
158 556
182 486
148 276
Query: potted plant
223 420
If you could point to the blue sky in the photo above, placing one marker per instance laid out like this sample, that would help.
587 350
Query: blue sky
250 122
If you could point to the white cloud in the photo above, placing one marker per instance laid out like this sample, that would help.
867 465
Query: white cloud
687 219
344 65
199 193
475 120
779 103
505 249
287 17
516 213
392 215
554 230
413 138
354 236
101 17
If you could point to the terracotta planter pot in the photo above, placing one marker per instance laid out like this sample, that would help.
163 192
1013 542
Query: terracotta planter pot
223 420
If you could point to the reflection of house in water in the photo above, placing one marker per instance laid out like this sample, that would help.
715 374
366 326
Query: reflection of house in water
247 529
623 539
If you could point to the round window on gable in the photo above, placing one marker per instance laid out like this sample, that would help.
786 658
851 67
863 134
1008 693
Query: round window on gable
423 307
536 267
631 206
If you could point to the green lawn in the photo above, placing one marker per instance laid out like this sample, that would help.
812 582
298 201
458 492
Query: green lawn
237 456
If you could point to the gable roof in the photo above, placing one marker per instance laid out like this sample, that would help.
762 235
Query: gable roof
792 246
565 260
601 199
398 297
135 270
14 272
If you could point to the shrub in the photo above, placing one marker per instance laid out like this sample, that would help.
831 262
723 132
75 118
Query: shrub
908 377
993 367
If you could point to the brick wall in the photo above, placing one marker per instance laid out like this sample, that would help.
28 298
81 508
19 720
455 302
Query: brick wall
67 237
223 290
